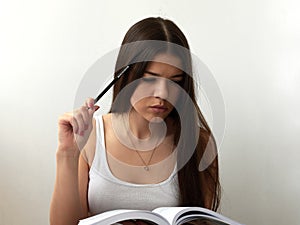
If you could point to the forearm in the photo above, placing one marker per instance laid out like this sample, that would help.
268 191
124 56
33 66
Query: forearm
65 205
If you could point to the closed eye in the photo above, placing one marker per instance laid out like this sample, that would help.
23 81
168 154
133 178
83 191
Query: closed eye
152 77
149 79
179 82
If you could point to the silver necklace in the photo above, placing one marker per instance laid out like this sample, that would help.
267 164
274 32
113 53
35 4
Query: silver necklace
146 165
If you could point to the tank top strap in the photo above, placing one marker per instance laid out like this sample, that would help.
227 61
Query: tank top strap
99 162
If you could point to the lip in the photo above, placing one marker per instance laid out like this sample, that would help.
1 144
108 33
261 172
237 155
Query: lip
158 108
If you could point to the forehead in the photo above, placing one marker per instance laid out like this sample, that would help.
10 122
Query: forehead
165 65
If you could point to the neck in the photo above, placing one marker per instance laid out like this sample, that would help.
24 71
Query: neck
147 133
139 125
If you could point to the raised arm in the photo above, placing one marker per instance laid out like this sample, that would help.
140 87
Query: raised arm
74 129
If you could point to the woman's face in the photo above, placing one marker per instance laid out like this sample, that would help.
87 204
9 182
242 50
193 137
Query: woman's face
157 90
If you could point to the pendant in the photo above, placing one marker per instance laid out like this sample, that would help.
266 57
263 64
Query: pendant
146 168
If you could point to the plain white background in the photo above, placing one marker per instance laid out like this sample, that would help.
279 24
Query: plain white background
251 47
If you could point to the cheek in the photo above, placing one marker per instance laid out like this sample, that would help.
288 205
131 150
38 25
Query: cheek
141 92
174 92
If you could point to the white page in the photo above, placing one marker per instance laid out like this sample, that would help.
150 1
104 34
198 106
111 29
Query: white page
172 213
114 216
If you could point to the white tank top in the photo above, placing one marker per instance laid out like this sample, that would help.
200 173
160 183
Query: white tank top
107 192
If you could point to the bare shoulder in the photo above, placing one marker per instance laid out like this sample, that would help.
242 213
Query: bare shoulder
107 118
107 123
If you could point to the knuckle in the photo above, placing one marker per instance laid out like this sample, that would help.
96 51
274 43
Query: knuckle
83 108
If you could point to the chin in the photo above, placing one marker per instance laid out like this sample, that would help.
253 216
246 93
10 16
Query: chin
156 118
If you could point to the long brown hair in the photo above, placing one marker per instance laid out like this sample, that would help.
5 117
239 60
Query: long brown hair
197 188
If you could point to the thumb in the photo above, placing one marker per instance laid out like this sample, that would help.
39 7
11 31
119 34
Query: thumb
93 109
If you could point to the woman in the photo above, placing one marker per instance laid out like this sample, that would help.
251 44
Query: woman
144 153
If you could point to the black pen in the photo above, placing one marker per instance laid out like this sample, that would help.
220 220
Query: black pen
110 84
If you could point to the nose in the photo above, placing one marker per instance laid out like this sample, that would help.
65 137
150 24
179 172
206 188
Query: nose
161 89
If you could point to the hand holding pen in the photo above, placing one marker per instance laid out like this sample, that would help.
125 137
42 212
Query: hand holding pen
74 128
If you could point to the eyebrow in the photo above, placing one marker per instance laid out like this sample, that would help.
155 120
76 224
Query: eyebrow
157 74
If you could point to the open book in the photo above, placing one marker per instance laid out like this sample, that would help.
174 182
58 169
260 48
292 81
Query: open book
161 216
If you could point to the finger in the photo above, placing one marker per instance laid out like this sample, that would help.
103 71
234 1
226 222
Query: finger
89 102
65 123
87 117
74 124
80 122
91 111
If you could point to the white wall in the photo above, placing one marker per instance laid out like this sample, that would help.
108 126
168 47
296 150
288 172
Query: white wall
251 47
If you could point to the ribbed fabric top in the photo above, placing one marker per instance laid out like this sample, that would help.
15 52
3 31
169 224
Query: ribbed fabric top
107 192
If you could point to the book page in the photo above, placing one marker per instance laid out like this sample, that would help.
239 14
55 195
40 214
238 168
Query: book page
115 216
203 219
179 215
169 213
